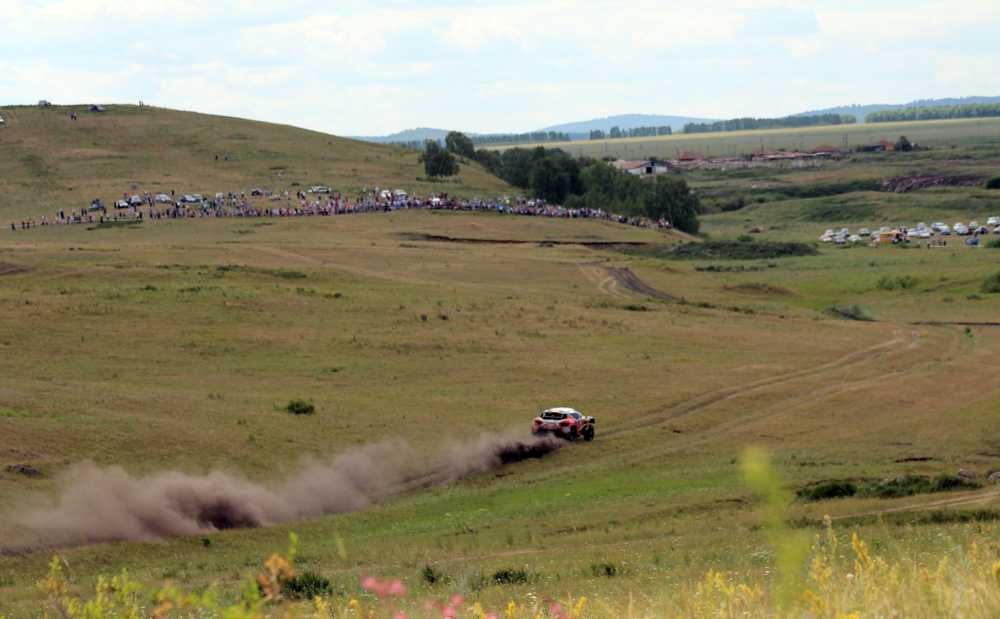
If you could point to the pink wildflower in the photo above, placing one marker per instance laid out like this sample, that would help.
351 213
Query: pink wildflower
429 605
369 583
456 600
448 612
396 588
400 615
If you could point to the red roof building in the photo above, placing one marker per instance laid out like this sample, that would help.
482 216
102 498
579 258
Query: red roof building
824 149
883 145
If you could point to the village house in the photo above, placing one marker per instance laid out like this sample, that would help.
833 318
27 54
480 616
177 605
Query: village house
641 168
883 145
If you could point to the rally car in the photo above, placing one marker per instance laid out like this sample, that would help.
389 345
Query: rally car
565 423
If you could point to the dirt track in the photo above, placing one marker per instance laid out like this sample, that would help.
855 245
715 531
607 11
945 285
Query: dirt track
618 282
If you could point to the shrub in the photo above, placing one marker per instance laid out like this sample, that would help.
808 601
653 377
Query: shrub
305 586
300 407
903 282
991 284
828 490
604 569
745 238
993 244
511 576
856 312
430 575
993 183
917 484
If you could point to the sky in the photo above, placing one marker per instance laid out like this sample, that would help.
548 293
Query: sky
485 66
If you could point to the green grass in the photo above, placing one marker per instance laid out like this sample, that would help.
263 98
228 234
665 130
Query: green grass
177 344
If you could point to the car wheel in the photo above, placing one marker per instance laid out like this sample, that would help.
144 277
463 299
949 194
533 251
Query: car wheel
573 434
588 435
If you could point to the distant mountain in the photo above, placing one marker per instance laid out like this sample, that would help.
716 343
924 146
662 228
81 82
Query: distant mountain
860 111
420 133
626 121
576 131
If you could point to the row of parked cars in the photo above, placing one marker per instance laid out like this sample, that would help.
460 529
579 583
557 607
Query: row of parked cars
921 231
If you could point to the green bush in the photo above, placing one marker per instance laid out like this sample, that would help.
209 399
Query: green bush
991 284
300 407
856 312
604 569
993 183
306 586
993 244
890 282
511 576
431 576
828 490
735 250
917 484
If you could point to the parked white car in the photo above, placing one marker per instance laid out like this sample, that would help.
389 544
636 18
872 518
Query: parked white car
937 226
921 226
399 193
854 238
864 232
162 199
826 238
993 221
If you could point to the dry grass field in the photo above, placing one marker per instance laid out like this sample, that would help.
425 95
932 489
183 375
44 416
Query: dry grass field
174 345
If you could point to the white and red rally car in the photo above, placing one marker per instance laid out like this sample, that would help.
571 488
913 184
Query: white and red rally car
565 423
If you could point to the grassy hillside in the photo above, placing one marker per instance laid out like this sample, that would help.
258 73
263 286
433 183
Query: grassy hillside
48 162
174 346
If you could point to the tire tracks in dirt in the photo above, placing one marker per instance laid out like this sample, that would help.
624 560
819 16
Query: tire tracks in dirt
625 278
708 400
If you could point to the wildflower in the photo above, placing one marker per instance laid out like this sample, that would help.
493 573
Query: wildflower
354 604
400 615
996 571
512 607
448 612
397 589
457 599
369 583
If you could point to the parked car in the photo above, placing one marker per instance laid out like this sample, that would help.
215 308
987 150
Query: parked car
921 226
386 194
96 205
996 230
756 230
973 224
188 199
256 192
162 198
219 197
95 108
121 204
565 423
319 189
1 121
854 238
944 230
993 221
937 226
826 238
845 232
399 193
864 232
135 201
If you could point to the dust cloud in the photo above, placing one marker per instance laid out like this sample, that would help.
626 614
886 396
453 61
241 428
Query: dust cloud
99 504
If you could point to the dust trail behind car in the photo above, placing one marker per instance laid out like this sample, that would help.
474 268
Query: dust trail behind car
99 504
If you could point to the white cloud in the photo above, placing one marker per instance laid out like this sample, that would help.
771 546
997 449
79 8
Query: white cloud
355 67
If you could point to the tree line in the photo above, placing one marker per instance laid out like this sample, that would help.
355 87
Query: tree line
574 182
634 132
935 112
749 124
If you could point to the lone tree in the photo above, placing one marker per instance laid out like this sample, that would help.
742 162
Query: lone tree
438 161
460 144
903 144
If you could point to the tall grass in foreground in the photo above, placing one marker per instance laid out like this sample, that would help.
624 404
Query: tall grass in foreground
825 577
